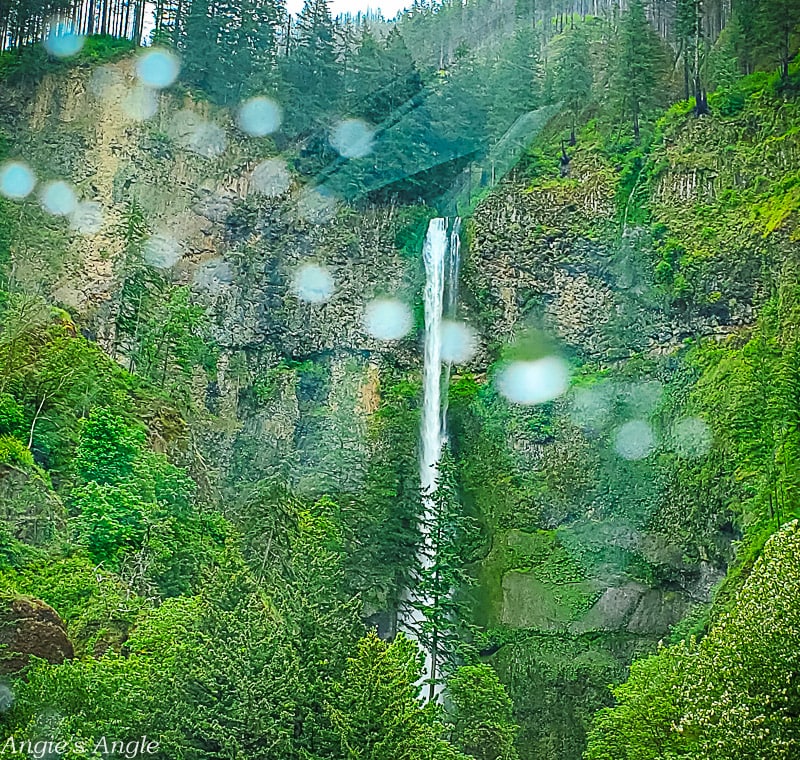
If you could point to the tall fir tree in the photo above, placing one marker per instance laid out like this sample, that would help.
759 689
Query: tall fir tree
311 68
573 74
638 65
443 572
777 22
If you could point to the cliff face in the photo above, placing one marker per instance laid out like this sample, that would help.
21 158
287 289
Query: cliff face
630 266
189 172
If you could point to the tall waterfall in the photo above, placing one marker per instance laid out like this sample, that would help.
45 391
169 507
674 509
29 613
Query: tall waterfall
441 253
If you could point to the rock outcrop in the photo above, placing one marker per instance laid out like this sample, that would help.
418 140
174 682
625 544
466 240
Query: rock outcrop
30 628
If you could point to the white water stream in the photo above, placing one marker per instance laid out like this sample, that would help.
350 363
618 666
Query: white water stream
441 253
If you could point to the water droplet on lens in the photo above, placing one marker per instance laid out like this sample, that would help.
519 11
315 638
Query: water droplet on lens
313 283
158 68
590 407
62 40
162 251
691 437
353 138
58 198
387 319
316 205
16 180
87 218
459 342
140 103
634 440
271 177
534 382
259 117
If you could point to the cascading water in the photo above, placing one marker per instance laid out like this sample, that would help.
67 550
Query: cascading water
441 257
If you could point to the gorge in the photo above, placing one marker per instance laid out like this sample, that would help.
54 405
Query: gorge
386 390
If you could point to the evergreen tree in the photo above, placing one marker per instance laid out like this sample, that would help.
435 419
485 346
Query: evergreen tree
638 64
573 74
776 23
449 539
311 68
482 723
516 83
693 47
376 709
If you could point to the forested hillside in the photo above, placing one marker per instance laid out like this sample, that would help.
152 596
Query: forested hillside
223 345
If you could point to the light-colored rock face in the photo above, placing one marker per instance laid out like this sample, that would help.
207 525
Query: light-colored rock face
238 244
239 248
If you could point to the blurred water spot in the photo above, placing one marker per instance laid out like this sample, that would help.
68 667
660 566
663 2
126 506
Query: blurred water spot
642 398
197 135
534 382
316 205
140 103
213 275
162 251
58 198
271 177
87 218
352 138
313 283
104 80
16 180
590 407
387 319
634 440
459 342
259 117
691 437
62 41
6 697
158 68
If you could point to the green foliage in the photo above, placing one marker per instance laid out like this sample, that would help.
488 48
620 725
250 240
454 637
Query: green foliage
482 722
107 448
639 62
730 695
97 608
573 73
375 710
112 519
12 415
13 451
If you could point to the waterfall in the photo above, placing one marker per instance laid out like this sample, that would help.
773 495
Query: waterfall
441 253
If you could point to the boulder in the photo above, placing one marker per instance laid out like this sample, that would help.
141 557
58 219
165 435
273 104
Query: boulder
29 627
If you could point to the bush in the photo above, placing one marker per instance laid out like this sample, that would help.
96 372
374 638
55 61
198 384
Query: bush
13 451
112 518
12 415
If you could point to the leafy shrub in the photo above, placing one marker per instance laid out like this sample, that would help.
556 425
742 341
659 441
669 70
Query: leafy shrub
111 518
13 451
108 447
12 415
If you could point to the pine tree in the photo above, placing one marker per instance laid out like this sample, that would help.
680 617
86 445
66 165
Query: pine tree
639 58
311 69
376 710
449 537
516 81
776 23
481 717
694 49
573 74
